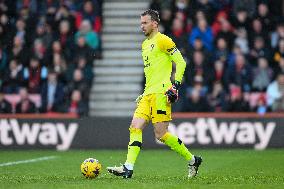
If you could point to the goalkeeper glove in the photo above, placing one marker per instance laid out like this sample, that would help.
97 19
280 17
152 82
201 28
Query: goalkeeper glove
172 93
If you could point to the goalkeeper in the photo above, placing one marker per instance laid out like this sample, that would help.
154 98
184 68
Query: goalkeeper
158 52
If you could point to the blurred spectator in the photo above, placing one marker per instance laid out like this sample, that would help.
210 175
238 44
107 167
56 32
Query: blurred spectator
277 35
240 74
258 30
81 64
204 32
82 49
65 38
59 66
217 97
221 18
5 106
236 101
222 50
63 14
166 20
20 31
34 75
52 94
196 103
258 50
90 36
241 20
262 75
13 78
265 17
261 107
198 46
19 51
179 36
204 6
91 14
76 104
5 28
25 105
55 51
226 32
220 74
247 5
241 40
38 50
198 67
78 83
43 33
275 93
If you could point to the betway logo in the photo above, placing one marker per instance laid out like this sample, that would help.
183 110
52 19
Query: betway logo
207 131
46 133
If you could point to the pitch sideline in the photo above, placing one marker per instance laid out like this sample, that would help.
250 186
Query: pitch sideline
28 161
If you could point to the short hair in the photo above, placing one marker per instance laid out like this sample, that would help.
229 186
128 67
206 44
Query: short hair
153 14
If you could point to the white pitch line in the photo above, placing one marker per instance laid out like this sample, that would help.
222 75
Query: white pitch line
28 161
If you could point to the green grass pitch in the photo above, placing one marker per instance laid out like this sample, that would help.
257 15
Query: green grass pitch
155 169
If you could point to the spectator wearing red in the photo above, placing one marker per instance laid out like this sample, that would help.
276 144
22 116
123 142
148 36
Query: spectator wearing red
227 32
89 13
221 17
76 105
220 74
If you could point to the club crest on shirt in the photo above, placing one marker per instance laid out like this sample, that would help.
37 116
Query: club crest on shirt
152 46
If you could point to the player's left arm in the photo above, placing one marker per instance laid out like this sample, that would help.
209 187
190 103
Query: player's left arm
168 46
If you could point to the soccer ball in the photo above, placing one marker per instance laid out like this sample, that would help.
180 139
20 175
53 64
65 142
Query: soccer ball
91 168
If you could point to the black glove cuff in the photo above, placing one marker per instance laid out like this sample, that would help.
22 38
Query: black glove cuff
177 84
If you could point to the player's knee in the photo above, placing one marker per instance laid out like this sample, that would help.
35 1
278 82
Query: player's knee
159 133
137 124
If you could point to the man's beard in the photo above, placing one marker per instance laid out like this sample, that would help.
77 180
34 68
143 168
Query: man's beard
148 33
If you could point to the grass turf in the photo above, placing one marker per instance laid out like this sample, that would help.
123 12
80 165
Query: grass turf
155 169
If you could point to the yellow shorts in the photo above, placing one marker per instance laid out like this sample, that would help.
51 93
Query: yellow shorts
154 107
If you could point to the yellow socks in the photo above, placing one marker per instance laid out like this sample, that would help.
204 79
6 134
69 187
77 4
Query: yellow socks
134 146
176 145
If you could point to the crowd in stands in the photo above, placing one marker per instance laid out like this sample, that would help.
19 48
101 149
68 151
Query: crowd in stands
47 49
234 52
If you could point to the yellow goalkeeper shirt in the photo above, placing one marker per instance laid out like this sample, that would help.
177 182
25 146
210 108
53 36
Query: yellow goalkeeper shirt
158 54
